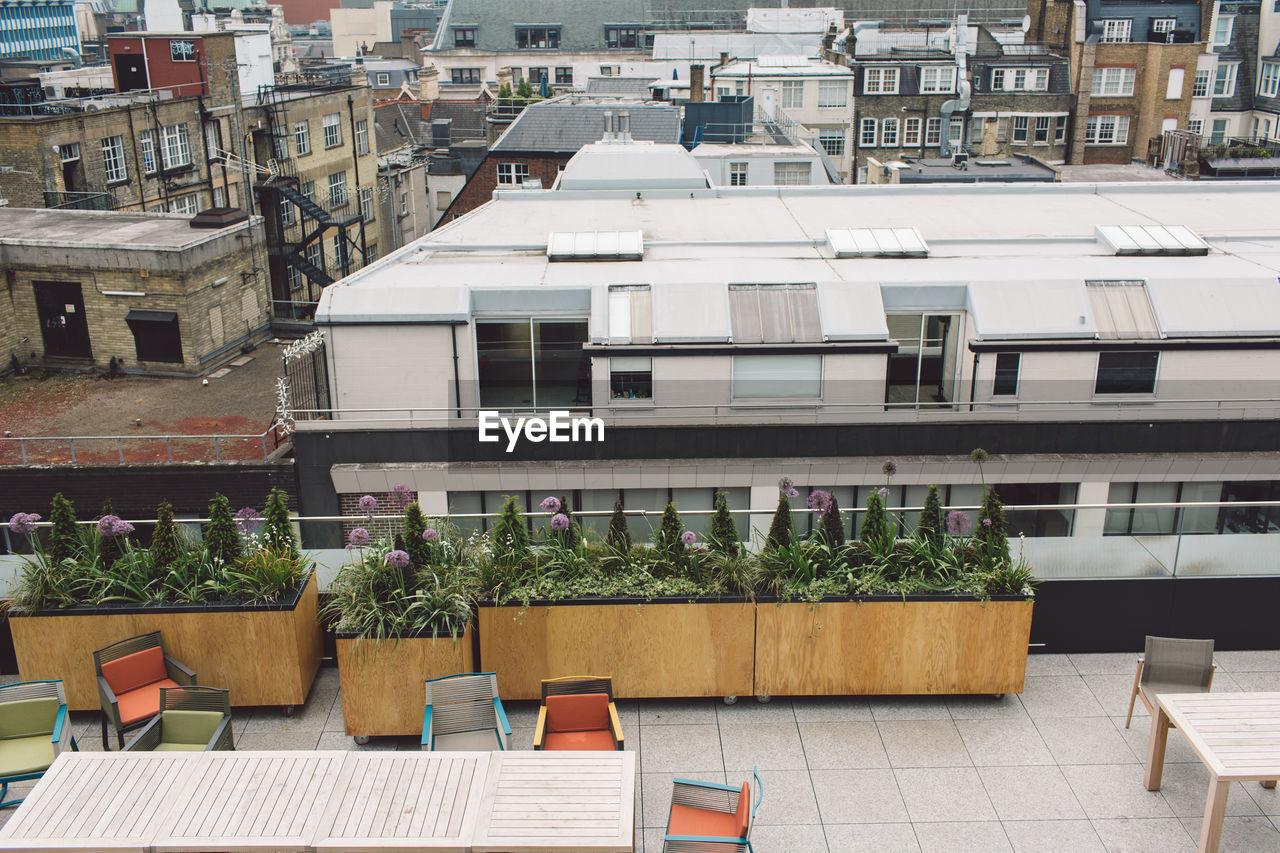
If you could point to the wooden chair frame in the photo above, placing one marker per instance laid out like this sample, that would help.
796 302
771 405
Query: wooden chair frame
188 699
575 684
179 673
1137 694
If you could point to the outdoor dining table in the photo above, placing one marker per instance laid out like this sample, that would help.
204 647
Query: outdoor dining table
1236 735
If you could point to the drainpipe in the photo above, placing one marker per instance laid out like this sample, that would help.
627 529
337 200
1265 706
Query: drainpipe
961 103
355 176
457 387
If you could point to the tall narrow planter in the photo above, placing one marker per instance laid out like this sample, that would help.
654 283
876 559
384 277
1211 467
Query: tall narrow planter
263 654
891 646
382 682
654 649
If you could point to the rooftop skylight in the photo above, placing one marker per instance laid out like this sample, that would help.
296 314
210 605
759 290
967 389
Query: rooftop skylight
877 243
1151 240
595 246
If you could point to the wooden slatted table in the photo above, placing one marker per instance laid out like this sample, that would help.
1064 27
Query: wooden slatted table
405 800
1236 735
558 802
94 801
251 801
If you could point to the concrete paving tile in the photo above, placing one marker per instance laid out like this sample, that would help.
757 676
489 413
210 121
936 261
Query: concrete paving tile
521 712
628 715
775 746
871 838
1144 835
1003 742
842 745
924 743
796 838
656 793
652 840
1112 693
788 797
1049 696
1255 681
279 740
908 708
521 737
338 740
823 709
1268 799
1030 793
1086 740
667 712
1108 663
942 794
666 748
335 721
1115 791
1254 661
1241 834
309 718
1050 665
967 837
1176 751
984 707
1048 836
748 710
1186 786
858 796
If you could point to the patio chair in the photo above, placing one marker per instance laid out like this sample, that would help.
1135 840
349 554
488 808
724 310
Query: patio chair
706 817
578 712
130 675
464 713
33 731
191 719
1171 665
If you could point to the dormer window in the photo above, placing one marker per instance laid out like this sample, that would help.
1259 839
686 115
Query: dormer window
937 78
538 38
622 36
464 36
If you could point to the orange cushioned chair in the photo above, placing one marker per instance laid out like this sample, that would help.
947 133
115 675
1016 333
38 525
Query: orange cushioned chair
130 675
578 713
707 816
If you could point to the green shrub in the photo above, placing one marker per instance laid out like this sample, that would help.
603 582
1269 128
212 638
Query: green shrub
166 549
418 549
875 533
781 532
277 528
666 541
619 535
108 546
989 534
722 535
64 540
221 537
571 536
832 529
510 535
930 526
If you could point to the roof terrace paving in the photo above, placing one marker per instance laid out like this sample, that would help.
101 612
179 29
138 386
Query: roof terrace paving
1052 769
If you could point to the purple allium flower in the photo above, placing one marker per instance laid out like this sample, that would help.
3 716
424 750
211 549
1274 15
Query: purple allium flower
398 559
550 504
978 455
889 467
559 521
247 519
958 522
986 522
113 525
368 504
359 537
786 484
819 501
430 534
883 493
401 496
24 522
688 538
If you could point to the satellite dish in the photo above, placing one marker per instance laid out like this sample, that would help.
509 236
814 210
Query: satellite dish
1026 23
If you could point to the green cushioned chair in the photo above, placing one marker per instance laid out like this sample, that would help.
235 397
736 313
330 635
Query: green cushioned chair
191 719
33 731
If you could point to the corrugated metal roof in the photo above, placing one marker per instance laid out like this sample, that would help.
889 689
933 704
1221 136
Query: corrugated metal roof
1121 309
563 126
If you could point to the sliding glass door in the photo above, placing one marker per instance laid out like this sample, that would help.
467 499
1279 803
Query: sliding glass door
533 364
923 370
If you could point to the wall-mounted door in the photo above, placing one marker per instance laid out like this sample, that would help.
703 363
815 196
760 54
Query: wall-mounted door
63 325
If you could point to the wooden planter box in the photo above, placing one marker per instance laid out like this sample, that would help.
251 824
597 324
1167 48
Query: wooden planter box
654 649
263 654
889 646
382 690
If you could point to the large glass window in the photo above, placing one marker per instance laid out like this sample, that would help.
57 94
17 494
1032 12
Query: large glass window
1126 372
769 376
113 159
1224 83
923 370
792 94
631 378
1007 365
537 37
833 93
176 146
533 363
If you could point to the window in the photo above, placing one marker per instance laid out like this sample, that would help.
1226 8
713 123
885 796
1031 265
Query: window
867 136
924 368
537 76
294 277
404 203
631 378
308 190
219 197
286 213
442 199
332 130
370 253
339 250
609 70
889 133
774 313
68 152
1219 132
212 140
1126 372
470 75
1020 129
315 254
1007 364
832 141
933 132
792 94
977 129
1163 25
512 173
1222 30
337 189
301 138
1195 125
533 362
1224 84
362 136
1173 89
1200 88
880 81
382 79
791 174
1262 128
464 36
534 38
1114 81
937 78
564 75
911 132
630 314
1042 130
1115 30
147 143
1107 130
833 93
1145 520
1019 79
176 146
188 204
1269 82
1059 129
366 204
113 159
737 174
622 36
768 376
182 50
955 131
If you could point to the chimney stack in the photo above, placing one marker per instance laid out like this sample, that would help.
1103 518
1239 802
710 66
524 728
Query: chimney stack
608 126
696 85
428 84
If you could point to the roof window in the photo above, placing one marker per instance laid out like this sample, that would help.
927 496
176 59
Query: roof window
595 246
1151 240
877 243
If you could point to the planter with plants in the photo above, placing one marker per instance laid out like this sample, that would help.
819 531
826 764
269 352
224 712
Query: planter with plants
238 606
674 619
402 610
945 610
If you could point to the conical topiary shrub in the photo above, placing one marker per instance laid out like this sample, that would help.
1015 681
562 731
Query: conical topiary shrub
929 529
510 534
781 532
667 539
722 535
619 535
108 546
832 529
165 547
989 534
63 541
221 538
277 531
875 525
418 548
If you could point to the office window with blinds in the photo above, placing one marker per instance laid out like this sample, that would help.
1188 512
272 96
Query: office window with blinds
630 313
774 313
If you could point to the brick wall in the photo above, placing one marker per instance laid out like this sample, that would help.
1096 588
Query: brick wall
485 180
378 528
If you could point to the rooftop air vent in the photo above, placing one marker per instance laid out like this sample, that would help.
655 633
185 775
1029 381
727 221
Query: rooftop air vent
595 246
877 243
1151 240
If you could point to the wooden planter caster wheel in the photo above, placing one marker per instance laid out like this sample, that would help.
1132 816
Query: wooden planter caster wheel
764 698
997 696
731 700
288 710
361 740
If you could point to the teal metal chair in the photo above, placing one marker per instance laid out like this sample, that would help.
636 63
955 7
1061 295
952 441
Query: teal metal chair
33 732
191 719
464 713
707 817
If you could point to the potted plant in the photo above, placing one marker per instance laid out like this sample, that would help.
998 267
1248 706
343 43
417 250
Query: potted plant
238 605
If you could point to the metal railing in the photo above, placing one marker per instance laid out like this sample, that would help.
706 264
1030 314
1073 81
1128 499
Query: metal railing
27 451
112 100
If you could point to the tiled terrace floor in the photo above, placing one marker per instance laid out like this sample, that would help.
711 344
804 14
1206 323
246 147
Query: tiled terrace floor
1051 770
